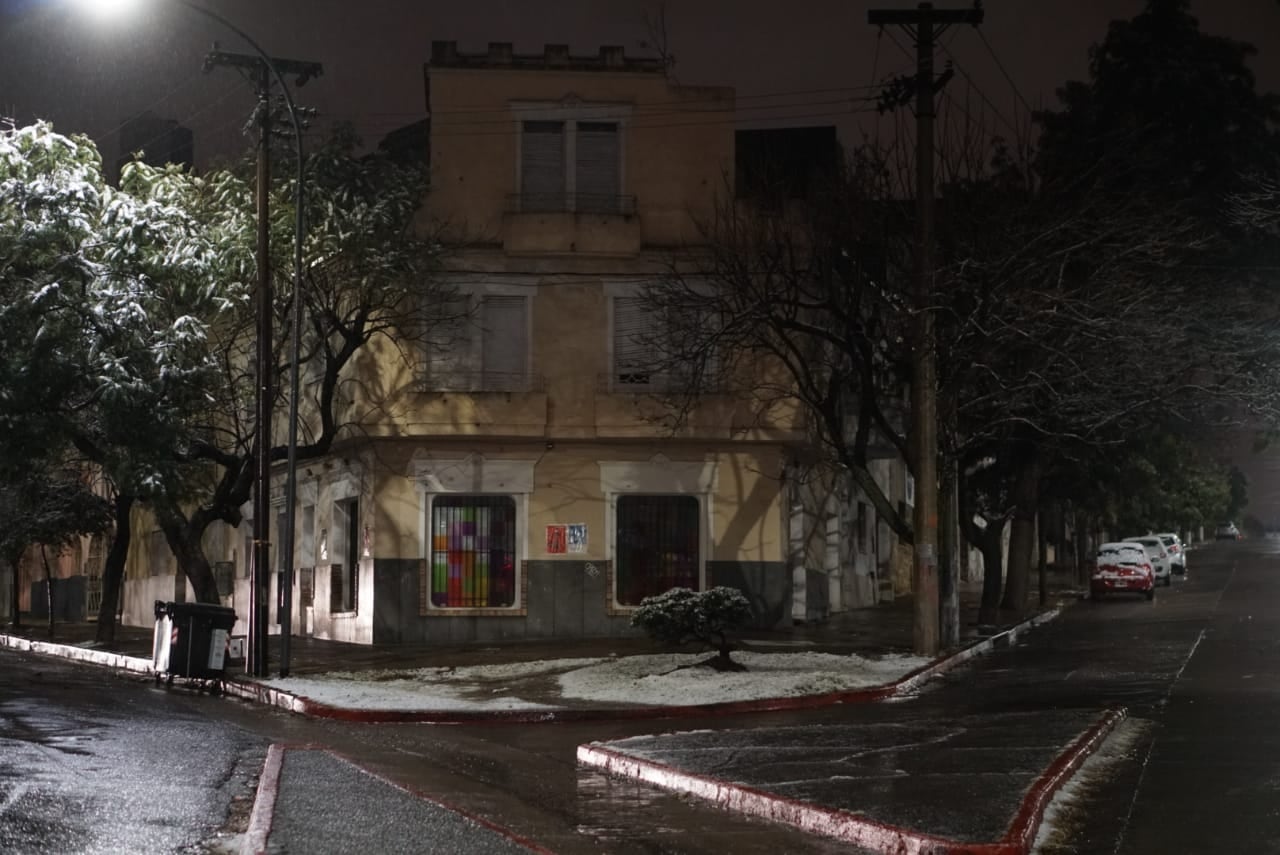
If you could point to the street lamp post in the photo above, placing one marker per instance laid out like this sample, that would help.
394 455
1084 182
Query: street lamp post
267 69
257 663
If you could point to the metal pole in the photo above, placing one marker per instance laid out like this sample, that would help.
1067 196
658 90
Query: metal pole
264 471
259 599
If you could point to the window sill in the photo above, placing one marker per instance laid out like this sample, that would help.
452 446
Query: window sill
444 612
343 615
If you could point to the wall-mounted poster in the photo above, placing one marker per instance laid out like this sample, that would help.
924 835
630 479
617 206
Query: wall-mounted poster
577 536
557 538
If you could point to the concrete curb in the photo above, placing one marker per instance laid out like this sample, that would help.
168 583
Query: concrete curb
264 803
88 655
256 692
851 828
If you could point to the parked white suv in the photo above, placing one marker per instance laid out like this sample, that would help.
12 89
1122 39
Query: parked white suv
1159 557
1177 552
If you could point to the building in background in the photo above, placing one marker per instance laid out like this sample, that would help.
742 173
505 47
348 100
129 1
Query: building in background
155 141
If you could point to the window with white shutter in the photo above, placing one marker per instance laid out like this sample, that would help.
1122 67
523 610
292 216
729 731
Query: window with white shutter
635 352
542 166
447 362
597 167
481 344
504 350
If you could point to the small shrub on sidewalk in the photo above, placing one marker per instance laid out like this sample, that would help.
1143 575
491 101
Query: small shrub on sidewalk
681 615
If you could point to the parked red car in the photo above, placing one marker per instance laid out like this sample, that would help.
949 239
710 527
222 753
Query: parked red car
1122 567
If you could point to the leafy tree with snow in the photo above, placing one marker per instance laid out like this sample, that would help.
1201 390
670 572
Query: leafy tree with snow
109 294
681 615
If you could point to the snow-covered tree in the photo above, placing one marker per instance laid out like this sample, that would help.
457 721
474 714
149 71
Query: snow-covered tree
109 294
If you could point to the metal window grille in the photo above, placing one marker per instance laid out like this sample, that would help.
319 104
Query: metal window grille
473 552
159 554
657 546
344 578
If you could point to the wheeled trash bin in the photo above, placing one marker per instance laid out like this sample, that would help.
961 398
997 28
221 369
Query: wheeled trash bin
190 641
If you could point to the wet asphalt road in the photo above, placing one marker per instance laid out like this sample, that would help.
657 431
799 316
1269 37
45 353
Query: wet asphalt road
1198 770
93 763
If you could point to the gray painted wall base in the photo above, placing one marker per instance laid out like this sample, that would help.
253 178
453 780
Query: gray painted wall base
566 599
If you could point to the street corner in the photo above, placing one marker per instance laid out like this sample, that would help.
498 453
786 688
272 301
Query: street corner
639 687
889 787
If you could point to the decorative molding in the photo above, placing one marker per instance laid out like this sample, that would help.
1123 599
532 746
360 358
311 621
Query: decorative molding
658 475
473 474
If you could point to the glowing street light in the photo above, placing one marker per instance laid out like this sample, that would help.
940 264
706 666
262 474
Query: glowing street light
256 659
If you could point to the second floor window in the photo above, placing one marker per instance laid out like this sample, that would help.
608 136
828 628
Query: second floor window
570 166
482 347
651 353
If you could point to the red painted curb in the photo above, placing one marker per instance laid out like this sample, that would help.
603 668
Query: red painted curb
829 822
852 828
264 804
1022 831
901 687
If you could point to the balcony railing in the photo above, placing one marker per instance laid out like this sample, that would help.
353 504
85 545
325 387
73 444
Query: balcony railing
571 203
480 381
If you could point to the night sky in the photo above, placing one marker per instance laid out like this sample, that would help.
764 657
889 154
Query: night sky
88 72
812 58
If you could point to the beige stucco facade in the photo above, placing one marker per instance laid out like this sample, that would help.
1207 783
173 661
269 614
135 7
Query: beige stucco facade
570 441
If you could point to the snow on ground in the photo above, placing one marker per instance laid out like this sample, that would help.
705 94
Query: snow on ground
663 679
1066 812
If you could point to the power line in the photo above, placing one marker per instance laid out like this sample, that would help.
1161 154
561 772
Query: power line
156 103
981 94
1005 72
995 110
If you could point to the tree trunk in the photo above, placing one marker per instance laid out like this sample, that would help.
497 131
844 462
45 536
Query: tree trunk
184 539
1042 562
992 570
1078 546
1022 536
15 616
113 570
948 565
48 587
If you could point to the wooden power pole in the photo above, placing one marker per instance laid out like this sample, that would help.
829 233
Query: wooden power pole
256 67
925 24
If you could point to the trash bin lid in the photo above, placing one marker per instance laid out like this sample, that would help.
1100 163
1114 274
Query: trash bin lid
211 611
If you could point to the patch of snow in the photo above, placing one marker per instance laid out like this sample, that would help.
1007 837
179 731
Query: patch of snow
659 679
1120 746
667 679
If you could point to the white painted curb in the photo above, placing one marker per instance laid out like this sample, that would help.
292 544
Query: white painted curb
118 661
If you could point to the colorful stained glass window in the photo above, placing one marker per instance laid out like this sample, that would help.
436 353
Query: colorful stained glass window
473 552
657 546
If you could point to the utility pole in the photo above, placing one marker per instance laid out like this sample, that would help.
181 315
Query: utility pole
262 71
925 24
